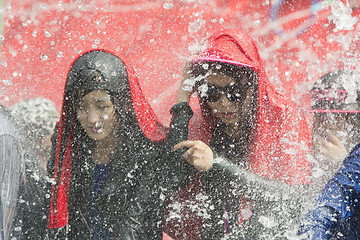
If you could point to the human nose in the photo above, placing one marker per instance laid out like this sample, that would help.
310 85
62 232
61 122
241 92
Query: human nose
224 100
93 116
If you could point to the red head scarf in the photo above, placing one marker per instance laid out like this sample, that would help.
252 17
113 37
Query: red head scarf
281 139
146 118
282 136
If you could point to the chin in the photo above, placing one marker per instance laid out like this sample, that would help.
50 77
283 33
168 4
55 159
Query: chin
229 122
96 137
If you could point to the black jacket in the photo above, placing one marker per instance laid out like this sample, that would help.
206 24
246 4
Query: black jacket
142 172
226 187
131 200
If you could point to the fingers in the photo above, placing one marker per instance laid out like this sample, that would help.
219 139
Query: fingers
199 154
333 142
183 144
334 139
189 154
186 71
333 147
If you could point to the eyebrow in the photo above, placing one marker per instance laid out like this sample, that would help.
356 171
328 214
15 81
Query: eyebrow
102 100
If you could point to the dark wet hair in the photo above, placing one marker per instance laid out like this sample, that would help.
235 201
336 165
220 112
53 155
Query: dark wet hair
234 71
329 93
93 80
99 70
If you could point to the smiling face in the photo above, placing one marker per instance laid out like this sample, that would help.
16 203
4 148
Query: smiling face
229 111
96 114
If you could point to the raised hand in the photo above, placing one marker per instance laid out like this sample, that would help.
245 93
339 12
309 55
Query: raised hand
332 147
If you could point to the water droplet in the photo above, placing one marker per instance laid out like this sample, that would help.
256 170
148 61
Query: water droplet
47 34
7 82
44 57
168 5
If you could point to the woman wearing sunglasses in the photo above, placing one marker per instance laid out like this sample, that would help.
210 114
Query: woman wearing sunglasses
249 144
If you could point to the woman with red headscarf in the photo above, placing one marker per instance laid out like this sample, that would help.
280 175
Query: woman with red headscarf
109 161
249 144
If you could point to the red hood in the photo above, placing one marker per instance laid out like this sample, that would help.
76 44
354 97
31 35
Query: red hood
282 135
147 122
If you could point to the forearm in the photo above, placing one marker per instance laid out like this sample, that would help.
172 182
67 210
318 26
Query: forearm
321 220
253 185
181 115
175 171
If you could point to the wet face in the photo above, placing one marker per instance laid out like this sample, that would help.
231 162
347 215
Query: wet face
96 114
227 98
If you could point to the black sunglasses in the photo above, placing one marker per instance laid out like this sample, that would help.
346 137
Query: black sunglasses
234 92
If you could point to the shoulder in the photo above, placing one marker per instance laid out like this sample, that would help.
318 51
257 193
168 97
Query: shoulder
354 155
355 151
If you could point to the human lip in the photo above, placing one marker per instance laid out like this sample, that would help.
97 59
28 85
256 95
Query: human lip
96 129
228 115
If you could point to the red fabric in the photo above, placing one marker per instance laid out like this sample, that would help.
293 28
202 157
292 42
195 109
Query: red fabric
277 118
41 34
58 215
282 137
145 115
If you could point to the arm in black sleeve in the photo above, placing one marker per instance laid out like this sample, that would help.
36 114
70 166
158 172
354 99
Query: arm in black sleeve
258 187
164 174
175 171
179 125
253 185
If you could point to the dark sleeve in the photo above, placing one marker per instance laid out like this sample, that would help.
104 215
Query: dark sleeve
175 171
336 203
165 173
253 185
34 199
181 115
